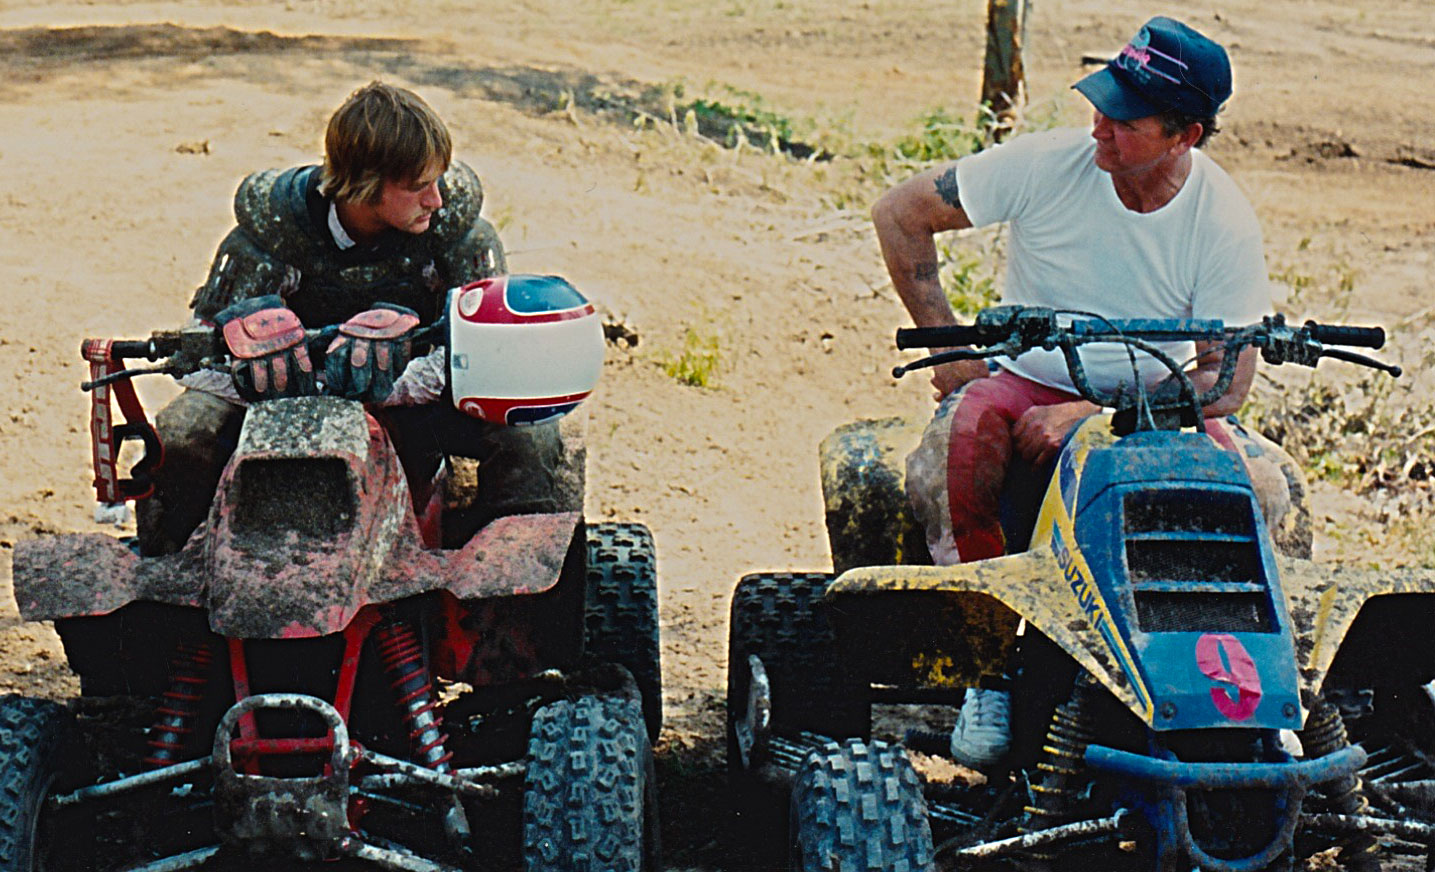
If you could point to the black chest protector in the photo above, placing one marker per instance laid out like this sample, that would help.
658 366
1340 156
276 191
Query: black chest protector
282 244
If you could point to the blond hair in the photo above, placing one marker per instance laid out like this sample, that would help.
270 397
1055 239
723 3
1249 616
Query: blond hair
381 133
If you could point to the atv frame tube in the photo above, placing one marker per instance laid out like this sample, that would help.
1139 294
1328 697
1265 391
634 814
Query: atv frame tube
1291 780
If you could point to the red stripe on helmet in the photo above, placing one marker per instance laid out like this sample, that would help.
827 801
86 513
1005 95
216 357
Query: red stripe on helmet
491 306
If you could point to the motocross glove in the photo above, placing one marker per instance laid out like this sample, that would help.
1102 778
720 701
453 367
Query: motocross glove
370 352
268 357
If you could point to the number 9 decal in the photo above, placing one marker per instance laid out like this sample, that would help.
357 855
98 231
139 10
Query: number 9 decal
1213 652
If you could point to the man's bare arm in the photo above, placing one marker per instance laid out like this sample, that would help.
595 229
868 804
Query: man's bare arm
1208 368
907 218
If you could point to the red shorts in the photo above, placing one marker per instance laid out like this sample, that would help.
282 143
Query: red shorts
979 451
954 478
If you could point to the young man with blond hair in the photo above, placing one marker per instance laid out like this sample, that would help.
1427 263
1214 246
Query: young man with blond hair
372 240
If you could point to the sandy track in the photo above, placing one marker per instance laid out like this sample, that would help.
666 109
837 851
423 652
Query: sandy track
124 140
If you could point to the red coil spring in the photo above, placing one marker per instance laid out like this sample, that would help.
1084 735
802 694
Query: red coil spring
174 719
403 660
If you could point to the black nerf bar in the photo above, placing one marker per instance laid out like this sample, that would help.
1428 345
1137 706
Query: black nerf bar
939 337
1360 337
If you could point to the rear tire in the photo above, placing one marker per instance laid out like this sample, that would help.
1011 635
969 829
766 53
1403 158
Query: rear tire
590 797
37 747
858 807
621 610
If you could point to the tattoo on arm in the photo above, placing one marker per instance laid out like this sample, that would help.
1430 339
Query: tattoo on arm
947 188
925 272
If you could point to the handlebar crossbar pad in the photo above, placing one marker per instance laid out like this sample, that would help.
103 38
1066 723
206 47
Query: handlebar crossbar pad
1360 337
1151 329
939 337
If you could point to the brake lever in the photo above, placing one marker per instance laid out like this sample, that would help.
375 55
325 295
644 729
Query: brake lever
124 375
1362 360
942 357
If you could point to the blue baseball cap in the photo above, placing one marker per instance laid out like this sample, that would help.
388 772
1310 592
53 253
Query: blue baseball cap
1167 65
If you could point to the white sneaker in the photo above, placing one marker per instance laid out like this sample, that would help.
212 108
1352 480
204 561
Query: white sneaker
982 736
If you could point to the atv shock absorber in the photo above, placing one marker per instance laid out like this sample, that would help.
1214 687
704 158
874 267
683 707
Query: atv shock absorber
1063 761
403 660
1324 734
179 706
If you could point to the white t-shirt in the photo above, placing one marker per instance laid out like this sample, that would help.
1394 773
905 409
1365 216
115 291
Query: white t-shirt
1074 245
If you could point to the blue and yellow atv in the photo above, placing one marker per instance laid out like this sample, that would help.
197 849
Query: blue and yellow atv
1186 691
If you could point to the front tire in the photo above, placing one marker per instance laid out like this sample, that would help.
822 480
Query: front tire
590 797
36 746
858 807
778 617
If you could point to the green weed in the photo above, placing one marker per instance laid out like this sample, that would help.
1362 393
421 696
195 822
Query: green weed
969 276
731 117
1331 285
1298 282
1370 435
697 362
502 218
941 136
743 110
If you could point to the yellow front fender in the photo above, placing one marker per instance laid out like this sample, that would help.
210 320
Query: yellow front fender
990 596
1324 600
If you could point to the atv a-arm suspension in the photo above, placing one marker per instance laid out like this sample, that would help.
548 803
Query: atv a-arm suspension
328 793
1173 778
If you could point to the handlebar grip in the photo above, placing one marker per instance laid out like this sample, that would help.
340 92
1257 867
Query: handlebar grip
1361 337
938 337
131 348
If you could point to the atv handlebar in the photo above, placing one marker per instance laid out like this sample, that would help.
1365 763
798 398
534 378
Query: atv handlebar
128 349
938 337
179 353
997 325
1014 330
199 347
1332 334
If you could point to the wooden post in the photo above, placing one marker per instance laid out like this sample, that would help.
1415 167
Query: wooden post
1002 76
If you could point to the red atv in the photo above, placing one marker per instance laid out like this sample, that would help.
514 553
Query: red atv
314 677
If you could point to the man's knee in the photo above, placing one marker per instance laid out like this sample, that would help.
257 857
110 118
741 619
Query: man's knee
534 469
199 427
199 432
1280 489
522 470
926 480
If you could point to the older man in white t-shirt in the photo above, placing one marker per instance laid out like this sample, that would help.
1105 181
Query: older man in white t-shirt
1128 219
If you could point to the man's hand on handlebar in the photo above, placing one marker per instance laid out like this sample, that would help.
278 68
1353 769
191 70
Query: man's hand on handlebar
266 342
370 352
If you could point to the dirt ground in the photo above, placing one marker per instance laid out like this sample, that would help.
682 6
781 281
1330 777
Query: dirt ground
126 127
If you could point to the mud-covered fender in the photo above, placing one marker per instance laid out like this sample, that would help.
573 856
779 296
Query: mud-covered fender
512 556
869 520
992 596
91 574
312 521
86 574
1325 599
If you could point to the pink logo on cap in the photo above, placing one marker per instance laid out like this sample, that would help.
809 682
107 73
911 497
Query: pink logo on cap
1137 55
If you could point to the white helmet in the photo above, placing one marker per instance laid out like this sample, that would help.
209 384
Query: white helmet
522 349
